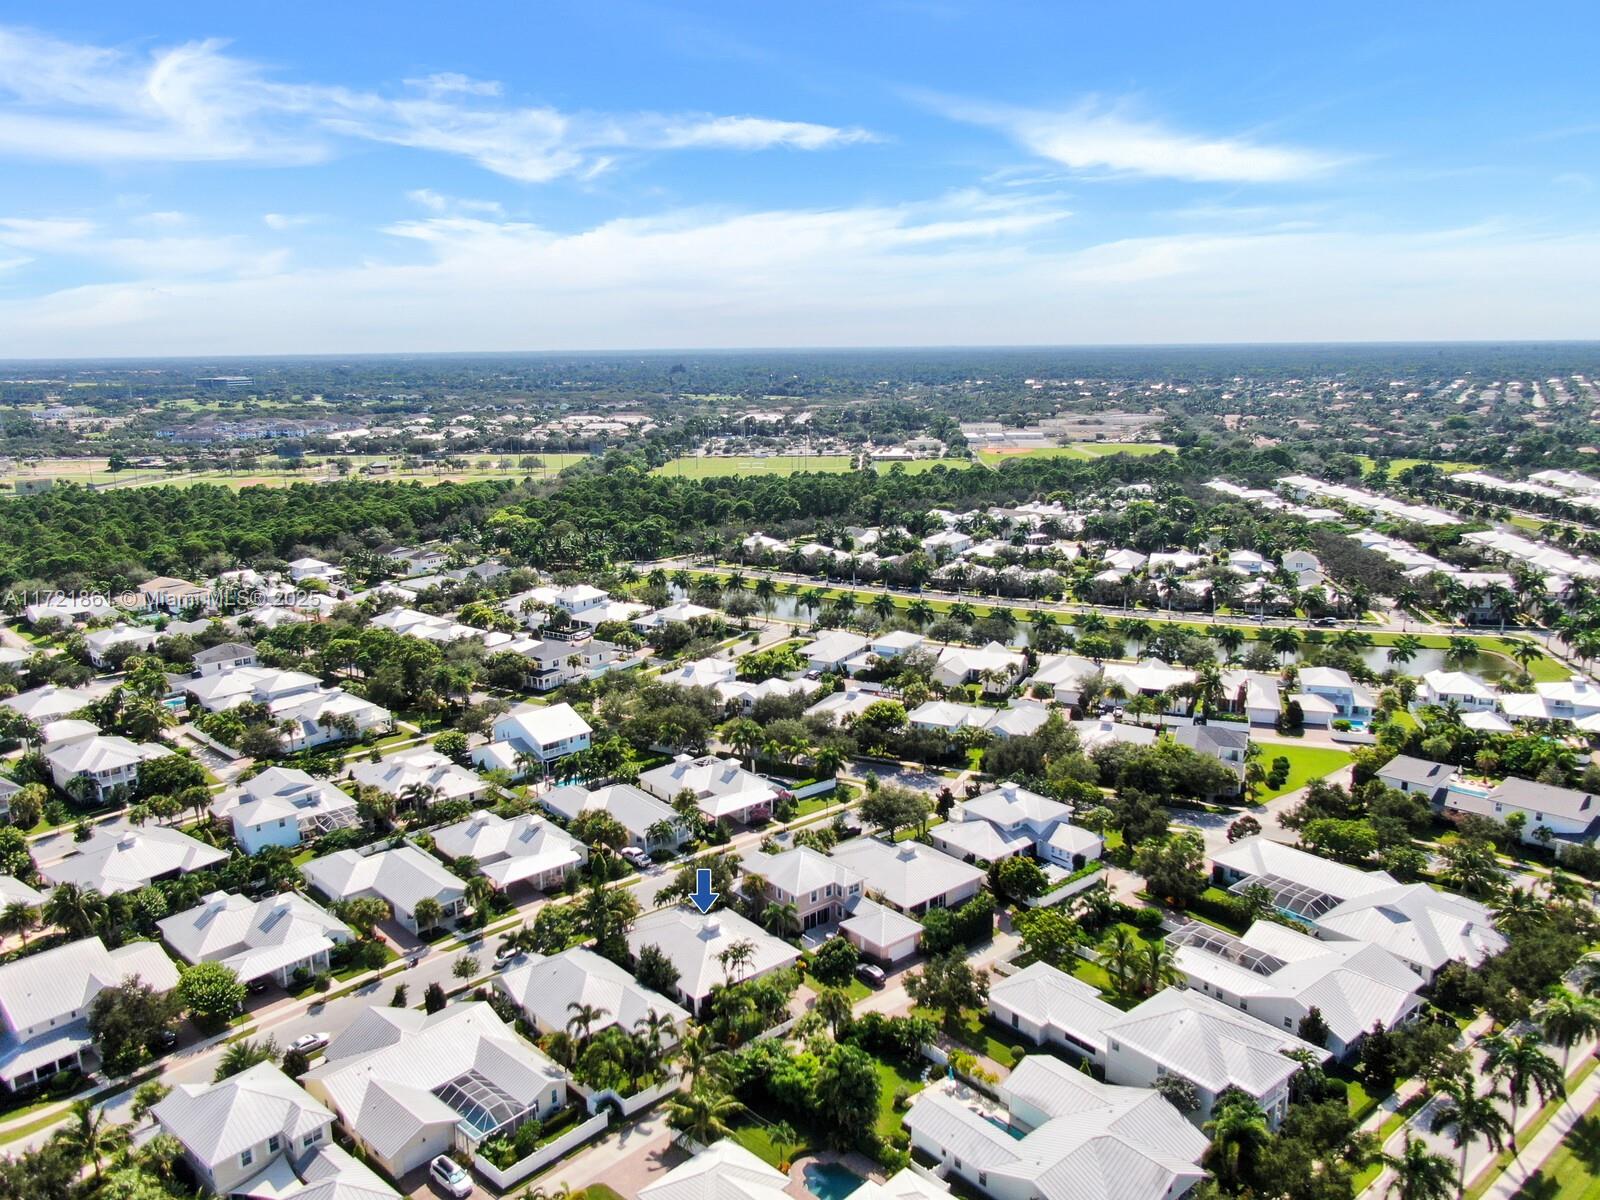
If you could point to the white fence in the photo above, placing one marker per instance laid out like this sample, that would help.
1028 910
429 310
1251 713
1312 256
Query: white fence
627 1104
1068 890
543 1156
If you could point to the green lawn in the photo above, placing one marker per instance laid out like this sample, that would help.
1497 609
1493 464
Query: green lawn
919 465
750 464
1078 450
756 1138
1305 764
1396 465
1573 1171
890 1079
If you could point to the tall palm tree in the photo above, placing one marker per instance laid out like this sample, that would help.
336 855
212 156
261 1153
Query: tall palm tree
76 911
1470 1116
582 1020
1419 1173
1157 967
833 1006
93 1136
1237 1129
700 1053
1566 1018
703 1113
1521 1064
18 917
1122 950
780 917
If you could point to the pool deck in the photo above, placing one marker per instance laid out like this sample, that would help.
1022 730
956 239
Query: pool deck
853 1160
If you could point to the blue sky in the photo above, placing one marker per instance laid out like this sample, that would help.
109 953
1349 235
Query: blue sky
282 178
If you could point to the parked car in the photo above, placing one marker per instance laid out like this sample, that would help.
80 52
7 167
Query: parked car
870 975
450 1177
636 856
308 1043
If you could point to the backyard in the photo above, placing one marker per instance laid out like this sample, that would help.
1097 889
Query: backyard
1305 764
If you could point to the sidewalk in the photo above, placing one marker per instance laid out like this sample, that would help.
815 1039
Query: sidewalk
1545 1143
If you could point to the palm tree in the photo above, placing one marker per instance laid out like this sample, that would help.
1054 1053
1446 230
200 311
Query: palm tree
582 1020
240 1056
736 958
18 917
1566 1018
1470 1117
779 918
703 1113
1157 966
1284 642
1122 950
418 796
700 1053
833 1006
428 913
92 1135
1520 1062
78 912
1405 648
650 1036
1419 1173
1237 1129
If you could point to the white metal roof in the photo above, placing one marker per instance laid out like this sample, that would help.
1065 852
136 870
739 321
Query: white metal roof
546 988
217 1121
907 874
123 858
692 941
508 851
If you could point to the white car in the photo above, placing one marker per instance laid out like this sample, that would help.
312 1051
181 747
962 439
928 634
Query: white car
636 856
450 1176
308 1043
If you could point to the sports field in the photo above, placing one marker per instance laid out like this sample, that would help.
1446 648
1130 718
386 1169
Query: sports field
712 467
316 470
1078 450
918 465
1396 465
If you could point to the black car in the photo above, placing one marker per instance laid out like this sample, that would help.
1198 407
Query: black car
870 975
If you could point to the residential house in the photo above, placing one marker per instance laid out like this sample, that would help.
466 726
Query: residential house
1570 814
744 696
1417 776
69 609
724 1170
99 643
522 849
1175 1032
275 938
1466 692
567 655
416 560
303 569
402 877
225 656
1352 701
283 806
994 666
166 594
258 1133
78 751
1021 820
842 708
703 672
421 772
697 944
45 1000
721 787
1057 1134
833 650
1279 976
124 858
1228 744
819 887
1302 885
759 545
879 932
909 876
651 823
14 891
547 989
409 1086
41 705
672 614
1421 925
542 732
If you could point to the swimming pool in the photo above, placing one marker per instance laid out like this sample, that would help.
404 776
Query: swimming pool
999 1124
830 1181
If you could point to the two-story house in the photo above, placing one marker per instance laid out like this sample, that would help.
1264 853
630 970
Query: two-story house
543 733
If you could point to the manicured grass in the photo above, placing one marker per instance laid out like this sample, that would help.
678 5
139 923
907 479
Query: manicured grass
750 464
813 804
1305 764
756 1137
1078 450
1573 1171
919 465
890 1078
1396 465
1585 1138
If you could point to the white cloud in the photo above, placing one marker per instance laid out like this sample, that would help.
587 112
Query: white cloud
281 222
163 256
1096 137
971 268
439 203
754 133
196 102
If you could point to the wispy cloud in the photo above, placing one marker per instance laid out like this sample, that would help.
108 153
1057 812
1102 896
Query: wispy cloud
197 102
437 202
162 255
283 222
1094 136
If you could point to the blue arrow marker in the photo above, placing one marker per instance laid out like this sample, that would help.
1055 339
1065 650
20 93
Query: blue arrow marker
703 896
